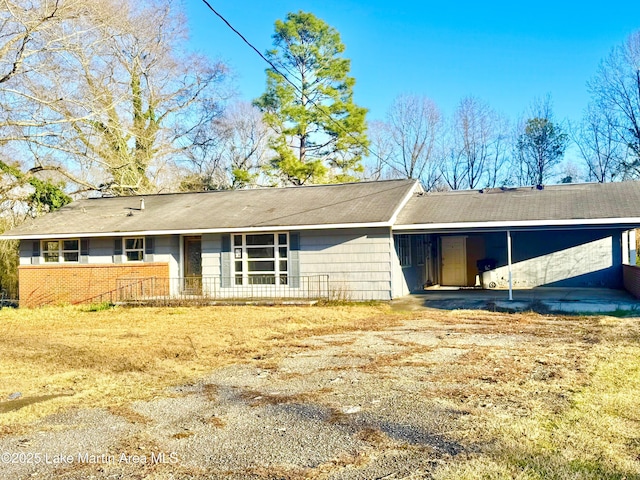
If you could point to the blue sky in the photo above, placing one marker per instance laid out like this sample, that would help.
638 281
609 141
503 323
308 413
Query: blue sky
506 53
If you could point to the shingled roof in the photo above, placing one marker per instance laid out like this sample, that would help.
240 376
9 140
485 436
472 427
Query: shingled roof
574 204
321 206
394 203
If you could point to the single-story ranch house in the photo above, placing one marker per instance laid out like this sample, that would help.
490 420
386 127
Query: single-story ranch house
368 240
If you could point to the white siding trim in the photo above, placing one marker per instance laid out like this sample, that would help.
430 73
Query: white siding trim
199 231
417 188
392 265
520 223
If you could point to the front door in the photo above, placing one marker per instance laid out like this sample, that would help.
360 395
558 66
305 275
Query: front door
454 261
192 265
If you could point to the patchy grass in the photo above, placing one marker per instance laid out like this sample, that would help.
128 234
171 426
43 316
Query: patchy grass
96 357
99 307
564 405
525 396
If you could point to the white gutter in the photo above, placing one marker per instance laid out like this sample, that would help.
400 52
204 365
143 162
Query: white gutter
519 223
195 231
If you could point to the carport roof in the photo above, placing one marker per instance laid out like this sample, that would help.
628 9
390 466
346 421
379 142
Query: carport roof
322 206
557 205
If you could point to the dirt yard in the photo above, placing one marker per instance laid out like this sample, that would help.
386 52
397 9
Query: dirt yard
320 392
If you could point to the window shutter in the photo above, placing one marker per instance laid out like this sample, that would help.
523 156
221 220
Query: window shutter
117 250
294 241
35 252
294 260
84 250
149 245
225 262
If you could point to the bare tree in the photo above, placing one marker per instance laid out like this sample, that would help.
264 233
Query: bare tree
113 95
413 125
377 159
570 172
452 164
616 90
26 31
599 145
23 32
232 150
246 144
499 159
474 149
475 131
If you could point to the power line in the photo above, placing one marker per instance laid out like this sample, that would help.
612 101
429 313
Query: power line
246 41
276 70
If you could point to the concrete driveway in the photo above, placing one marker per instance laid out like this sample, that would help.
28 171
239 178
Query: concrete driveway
543 300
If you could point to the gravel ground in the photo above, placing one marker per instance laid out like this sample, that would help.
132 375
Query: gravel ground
347 406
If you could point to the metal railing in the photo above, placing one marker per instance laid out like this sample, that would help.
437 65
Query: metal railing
6 300
215 288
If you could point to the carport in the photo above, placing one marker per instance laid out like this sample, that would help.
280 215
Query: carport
512 239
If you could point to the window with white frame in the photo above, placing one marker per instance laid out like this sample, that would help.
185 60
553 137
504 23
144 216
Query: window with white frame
134 249
403 247
260 258
61 250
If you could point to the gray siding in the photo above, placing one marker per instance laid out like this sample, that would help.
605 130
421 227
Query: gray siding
399 279
167 249
358 261
411 278
211 249
26 250
100 250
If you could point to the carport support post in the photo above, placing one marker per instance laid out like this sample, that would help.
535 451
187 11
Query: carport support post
625 247
509 263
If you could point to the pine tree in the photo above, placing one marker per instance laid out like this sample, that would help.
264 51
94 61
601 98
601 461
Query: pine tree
319 130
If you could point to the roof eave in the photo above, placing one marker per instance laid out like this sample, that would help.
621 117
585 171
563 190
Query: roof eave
520 224
198 231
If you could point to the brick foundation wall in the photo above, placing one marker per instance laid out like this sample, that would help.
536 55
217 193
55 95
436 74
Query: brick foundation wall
631 279
56 284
